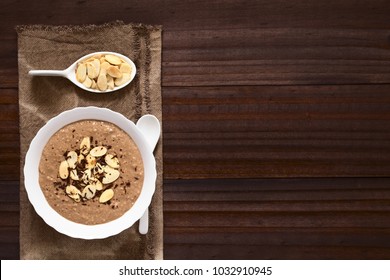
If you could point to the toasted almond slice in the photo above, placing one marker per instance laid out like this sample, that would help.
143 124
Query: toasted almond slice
98 185
75 197
64 170
96 65
94 85
70 189
81 72
102 82
73 192
113 59
124 79
103 72
98 169
106 196
114 72
104 65
89 192
71 158
89 59
110 175
91 161
98 151
91 70
80 158
85 145
87 82
125 68
110 82
112 161
73 175
103 68
97 56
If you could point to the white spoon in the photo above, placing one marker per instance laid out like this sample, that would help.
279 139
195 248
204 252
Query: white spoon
150 127
70 72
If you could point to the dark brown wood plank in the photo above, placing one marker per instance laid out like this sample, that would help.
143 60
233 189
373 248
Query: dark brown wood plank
10 172
9 251
9 140
9 192
267 56
9 218
9 112
10 126
288 219
285 252
9 77
216 14
9 235
9 96
276 243
266 131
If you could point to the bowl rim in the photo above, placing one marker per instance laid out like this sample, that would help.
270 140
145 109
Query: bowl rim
52 217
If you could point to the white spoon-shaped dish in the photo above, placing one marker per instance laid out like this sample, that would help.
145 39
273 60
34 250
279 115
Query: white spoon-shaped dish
70 72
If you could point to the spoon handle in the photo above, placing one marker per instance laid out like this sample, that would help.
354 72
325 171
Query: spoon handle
58 73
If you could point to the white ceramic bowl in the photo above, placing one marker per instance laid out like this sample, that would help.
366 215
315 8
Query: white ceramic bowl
38 200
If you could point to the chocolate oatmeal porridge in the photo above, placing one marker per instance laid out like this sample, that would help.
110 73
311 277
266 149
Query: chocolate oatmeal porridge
91 172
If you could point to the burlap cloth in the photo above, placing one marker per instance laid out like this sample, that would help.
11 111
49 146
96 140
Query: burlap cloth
41 98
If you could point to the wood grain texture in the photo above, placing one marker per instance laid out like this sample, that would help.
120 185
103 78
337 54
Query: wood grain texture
268 131
275 123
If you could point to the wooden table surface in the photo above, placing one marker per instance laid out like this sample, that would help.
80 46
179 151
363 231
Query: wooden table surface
276 124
